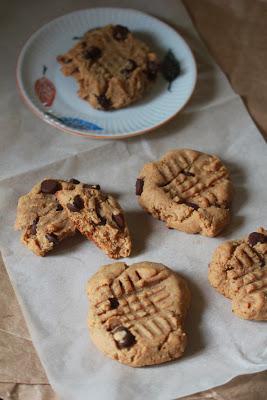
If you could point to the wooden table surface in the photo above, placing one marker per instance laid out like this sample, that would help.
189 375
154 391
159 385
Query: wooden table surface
235 33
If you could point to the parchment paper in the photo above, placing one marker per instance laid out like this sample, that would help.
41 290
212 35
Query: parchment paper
51 290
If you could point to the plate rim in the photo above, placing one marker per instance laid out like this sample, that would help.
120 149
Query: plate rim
91 134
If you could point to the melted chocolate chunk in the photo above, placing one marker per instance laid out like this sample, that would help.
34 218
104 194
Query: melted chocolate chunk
256 237
170 68
114 303
192 205
104 102
123 337
92 53
59 207
51 237
77 205
120 32
187 173
75 181
119 219
152 70
103 220
33 228
262 262
50 186
130 67
139 186
87 186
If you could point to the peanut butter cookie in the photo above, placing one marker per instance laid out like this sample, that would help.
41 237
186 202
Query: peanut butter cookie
111 66
40 217
99 217
238 270
190 191
137 312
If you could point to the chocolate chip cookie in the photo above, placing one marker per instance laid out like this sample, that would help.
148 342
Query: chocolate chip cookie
190 191
40 217
99 217
238 270
137 312
111 66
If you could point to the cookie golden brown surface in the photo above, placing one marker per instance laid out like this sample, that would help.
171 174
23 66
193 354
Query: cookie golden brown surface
112 67
41 218
99 217
137 312
190 191
238 270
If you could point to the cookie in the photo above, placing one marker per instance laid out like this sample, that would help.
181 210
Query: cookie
40 217
136 313
190 191
99 217
238 270
111 66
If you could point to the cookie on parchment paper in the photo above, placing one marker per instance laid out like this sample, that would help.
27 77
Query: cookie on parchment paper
40 217
238 270
99 217
190 191
137 312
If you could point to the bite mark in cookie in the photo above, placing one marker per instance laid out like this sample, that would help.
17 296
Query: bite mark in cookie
99 217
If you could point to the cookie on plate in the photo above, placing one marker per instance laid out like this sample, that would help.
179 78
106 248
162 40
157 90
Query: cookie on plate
238 270
99 217
136 313
111 66
190 191
40 217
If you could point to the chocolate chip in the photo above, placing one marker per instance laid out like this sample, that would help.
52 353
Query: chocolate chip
262 262
123 337
130 67
59 207
119 219
103 220
51 237
120 32
92 53
187 173
139 186
50 186
33 229
104 102
77 205
256 237
75 181
114 303
192 205
87 186
152 70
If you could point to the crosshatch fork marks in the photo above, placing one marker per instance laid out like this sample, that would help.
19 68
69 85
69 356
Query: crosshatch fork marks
141 307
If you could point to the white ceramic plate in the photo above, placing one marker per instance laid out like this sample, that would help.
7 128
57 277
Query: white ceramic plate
71 114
